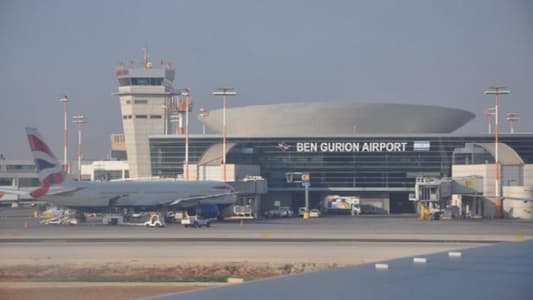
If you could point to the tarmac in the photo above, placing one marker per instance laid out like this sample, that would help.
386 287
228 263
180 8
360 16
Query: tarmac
254 248
342 239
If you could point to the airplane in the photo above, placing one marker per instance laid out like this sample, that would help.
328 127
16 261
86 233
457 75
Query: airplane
58 188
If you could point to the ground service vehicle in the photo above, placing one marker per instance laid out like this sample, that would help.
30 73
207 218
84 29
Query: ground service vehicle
301 211
113 219
155 221
195 221
282 211
335 204
314 213
201 215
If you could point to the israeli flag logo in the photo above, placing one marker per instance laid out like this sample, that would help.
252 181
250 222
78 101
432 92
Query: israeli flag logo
421 146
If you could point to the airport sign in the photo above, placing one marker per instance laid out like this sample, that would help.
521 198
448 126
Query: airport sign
341 147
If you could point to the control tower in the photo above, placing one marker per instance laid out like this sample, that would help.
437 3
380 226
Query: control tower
143 92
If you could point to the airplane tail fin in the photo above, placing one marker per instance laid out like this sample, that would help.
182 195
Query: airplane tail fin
49 170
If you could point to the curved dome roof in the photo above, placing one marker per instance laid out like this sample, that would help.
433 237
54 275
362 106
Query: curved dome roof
337 118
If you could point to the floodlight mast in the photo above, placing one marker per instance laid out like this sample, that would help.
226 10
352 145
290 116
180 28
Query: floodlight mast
188 105
489 112
224 92
204 113
512 118
497 91
65 99
79 120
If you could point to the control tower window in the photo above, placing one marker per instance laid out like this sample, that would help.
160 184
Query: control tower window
124 81
141 117
141 102
146 81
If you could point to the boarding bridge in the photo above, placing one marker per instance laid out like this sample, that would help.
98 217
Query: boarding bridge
442 189
249 191
463 193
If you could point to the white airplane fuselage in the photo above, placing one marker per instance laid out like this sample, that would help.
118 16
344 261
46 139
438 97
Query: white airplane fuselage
94 195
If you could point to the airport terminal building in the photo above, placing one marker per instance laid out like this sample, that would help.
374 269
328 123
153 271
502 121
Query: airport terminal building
372 151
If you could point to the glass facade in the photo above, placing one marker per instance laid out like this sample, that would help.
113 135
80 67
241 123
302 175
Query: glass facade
356 163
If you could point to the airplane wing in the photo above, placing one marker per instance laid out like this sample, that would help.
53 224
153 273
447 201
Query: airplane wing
222 198
13 191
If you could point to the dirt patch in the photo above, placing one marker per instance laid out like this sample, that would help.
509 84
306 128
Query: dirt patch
182 272
89 293
116 281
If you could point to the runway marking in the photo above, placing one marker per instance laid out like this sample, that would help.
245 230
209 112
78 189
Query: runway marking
17 239
13 235
518 237
265 235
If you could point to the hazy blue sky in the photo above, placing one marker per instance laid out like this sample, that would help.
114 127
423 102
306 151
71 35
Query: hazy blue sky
426 52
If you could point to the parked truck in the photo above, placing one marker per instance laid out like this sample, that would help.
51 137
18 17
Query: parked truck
200 215
336 204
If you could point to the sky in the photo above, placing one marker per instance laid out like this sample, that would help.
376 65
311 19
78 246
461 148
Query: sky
419 52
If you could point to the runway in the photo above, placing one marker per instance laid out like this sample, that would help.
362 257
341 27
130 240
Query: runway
341 239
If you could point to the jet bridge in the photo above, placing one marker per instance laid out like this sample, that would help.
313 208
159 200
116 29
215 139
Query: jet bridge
435 195
249 191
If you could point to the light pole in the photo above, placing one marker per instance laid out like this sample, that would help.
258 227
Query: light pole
65 101
497 91
79 120
224 92
188 105
489 112
204 113
512 118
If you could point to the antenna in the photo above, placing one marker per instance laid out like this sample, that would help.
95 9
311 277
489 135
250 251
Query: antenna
146 62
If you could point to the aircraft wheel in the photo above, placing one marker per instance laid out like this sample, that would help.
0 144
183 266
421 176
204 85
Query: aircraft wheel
208 224
196 225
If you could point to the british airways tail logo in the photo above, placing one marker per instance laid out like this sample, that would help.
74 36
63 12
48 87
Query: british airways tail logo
36 144
49 170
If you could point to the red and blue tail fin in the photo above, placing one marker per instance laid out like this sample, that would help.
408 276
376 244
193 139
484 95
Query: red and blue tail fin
49 170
